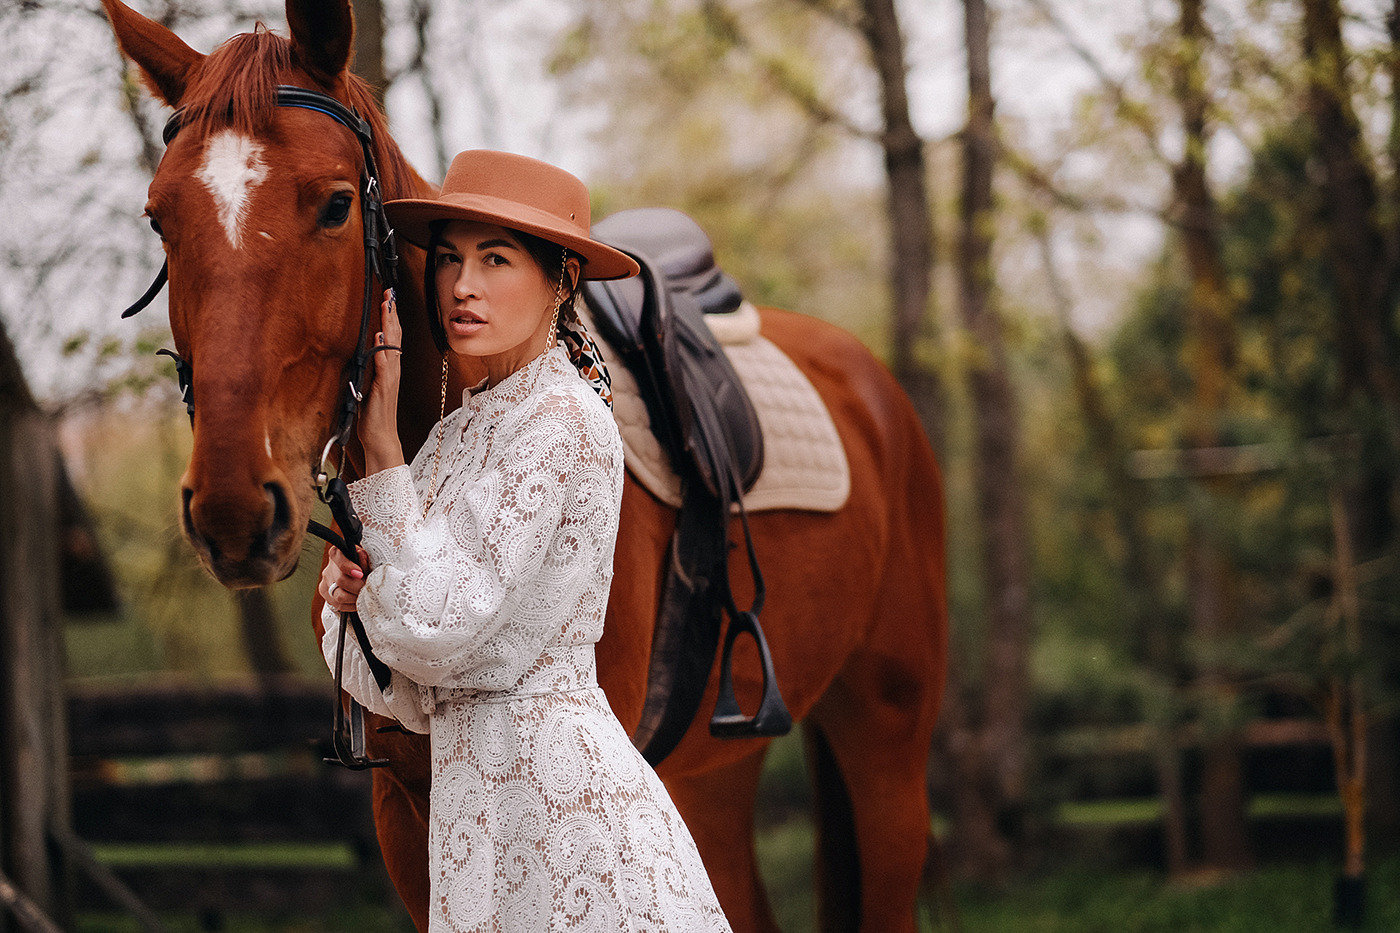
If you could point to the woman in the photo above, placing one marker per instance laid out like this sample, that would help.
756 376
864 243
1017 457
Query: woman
488 566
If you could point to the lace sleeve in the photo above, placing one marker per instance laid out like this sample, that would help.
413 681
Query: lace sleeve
402 699
487 579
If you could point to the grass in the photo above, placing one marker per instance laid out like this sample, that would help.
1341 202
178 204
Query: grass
1129 811
1276 899
235 855
785 858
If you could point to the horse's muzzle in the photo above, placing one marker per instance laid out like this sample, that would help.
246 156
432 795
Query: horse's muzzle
244 541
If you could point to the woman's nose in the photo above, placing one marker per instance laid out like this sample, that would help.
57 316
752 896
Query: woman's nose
466 285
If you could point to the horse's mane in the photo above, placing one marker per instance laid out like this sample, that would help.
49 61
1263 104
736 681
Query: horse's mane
236 88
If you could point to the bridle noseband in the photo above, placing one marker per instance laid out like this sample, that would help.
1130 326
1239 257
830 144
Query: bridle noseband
381 260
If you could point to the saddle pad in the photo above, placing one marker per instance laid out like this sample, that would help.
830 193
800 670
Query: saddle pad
804 464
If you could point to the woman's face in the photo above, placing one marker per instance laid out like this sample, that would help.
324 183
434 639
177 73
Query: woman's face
494 299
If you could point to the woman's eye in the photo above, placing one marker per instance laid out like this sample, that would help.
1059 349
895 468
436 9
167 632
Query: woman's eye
337 210
445 259
494 259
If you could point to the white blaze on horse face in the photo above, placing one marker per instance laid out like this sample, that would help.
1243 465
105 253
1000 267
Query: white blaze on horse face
232 169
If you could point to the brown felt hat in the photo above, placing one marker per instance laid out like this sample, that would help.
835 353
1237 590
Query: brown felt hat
518 192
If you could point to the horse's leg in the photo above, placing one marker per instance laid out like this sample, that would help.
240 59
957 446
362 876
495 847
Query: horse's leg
400 801
876 723
875 726
837 856
881 759
403 841
717 807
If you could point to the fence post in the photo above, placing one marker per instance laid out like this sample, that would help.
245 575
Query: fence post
33 729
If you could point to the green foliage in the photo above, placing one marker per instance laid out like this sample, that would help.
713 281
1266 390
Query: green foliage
719 111
1290 408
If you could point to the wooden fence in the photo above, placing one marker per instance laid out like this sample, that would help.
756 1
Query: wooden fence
1108 772
216 799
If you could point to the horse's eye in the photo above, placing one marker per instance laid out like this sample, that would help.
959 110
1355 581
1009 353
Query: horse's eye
155 225
337 210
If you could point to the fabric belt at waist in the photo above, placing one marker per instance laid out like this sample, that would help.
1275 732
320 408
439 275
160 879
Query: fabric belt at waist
570 670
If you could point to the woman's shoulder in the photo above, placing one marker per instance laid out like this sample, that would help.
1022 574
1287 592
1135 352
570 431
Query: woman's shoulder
571 402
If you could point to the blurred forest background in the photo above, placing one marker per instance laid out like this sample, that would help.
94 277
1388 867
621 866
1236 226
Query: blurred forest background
1136 264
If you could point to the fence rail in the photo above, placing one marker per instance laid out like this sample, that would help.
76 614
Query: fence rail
216 798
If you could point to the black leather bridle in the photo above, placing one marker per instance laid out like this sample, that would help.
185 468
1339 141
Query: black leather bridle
381 260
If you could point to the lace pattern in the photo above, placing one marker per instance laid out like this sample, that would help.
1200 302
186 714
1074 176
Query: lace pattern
543 814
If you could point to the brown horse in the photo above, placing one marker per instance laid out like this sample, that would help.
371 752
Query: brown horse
257 209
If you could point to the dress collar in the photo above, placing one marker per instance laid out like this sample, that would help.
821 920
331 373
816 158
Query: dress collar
520 384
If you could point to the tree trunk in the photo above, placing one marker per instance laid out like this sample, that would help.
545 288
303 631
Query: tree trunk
368 60
1155 646
1361 255
1346 715
999 739
907 206
1209 352
262 639
33 724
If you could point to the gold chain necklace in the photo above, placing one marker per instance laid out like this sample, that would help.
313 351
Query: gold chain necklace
437 452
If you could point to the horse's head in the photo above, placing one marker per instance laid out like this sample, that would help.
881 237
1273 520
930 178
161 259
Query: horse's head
258 209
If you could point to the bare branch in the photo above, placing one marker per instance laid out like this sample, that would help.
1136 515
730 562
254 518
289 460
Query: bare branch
1134 112
421 13
1037 179
724 25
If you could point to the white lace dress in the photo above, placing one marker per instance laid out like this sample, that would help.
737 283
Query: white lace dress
543 815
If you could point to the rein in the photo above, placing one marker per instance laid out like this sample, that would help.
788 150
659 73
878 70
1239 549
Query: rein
381 260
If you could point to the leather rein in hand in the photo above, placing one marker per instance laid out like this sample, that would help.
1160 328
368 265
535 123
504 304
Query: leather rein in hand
381 259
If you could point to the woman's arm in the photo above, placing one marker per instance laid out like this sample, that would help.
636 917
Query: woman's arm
479 585
401 700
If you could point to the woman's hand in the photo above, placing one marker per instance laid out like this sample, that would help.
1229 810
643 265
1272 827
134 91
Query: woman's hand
378 427
342 580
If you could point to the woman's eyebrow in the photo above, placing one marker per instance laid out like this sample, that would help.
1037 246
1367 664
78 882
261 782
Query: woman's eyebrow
495 244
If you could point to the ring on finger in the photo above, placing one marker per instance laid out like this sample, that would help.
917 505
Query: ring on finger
331 591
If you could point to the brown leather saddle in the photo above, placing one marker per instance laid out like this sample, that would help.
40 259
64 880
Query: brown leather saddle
703 418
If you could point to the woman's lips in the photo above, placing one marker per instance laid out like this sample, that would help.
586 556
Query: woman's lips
465 322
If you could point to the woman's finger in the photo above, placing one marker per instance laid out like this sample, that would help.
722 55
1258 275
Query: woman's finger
347 567
389 318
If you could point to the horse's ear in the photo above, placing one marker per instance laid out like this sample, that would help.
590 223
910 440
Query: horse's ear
322 32
165 61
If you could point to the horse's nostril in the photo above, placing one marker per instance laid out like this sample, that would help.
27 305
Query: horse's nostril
187 496
281 510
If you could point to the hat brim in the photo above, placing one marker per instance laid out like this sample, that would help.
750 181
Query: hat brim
412 218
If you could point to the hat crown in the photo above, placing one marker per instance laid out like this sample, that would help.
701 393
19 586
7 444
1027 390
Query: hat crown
516 192
485 176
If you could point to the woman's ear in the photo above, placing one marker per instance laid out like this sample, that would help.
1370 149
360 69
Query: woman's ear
574 270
